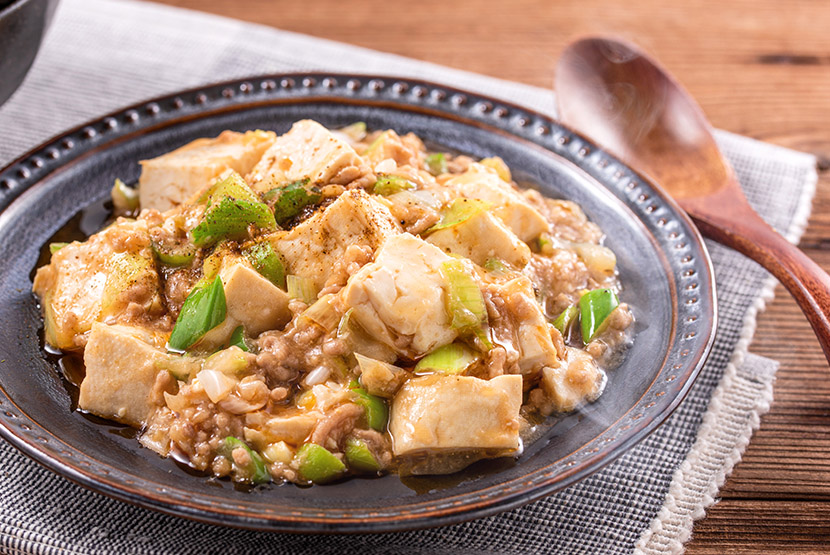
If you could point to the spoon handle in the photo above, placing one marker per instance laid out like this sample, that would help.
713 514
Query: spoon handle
806 281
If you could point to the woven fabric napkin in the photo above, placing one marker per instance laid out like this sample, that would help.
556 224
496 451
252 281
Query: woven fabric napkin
103 54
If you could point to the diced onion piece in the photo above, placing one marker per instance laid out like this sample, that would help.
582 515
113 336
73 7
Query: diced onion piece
217 385
465 303
599 259
238 405
498 164
278 452
317 376
180 368
450 359
175 402
229 361
302 288
323 313
459 211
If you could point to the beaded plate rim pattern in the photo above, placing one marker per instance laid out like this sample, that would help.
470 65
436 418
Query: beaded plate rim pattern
687 353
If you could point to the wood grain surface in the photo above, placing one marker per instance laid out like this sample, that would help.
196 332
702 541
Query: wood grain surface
758 67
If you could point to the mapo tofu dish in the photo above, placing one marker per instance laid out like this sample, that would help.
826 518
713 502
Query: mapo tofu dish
324 303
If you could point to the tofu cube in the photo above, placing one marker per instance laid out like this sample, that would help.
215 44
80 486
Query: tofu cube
121 371
97 280
171 179
399 298
454 420
254 301
480 237
316 245
483 183
307 151
577 381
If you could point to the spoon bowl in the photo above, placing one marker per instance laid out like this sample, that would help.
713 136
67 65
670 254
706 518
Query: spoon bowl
621 98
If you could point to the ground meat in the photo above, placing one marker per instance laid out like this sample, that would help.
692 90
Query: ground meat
333 428
378 444
354 258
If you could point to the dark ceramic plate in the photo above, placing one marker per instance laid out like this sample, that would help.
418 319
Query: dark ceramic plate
663 265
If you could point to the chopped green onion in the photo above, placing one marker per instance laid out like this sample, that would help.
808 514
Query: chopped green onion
317 464
323 313
360 457
437 163
355 131
255 471
55 247
390 184
289 200
566 319
545 244
461 210
450 359
496 266
267 262
238 339
232 186
203 309
302 288
229 219
594 308
124 198
172 256
377 413
180 368
465 304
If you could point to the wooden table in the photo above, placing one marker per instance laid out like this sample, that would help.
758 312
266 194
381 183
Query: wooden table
758 67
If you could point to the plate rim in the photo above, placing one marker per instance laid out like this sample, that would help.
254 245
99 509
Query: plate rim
21 174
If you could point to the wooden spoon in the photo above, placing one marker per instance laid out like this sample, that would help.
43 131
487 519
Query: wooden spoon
623 100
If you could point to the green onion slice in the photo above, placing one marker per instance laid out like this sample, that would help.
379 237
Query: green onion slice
302 288
465 303
377 413
450 359
359 457
390 184
124 197
459 211
267 262
256 469
55 247
594 308
437 163
317 464
289 200
203 309
174 256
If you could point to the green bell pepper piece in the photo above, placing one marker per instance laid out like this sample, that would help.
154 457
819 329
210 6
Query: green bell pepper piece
289 200
566 319
359 457
203 309
238 339
256 469
267 262
377 413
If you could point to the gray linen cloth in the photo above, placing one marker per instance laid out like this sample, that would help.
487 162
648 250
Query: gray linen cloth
100 55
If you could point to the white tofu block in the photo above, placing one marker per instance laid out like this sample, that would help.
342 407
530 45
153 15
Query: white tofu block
316 245
120 374
171 179
483 183
97 279
439 414
481 237
307 151
254 301
399 298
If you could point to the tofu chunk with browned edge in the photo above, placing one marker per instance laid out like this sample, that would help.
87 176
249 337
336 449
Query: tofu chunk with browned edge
483 183
97 280
307 151
121 370
400 299
440 424
316 245
480 237
577 381
173 178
